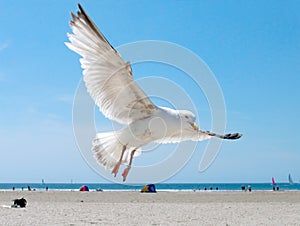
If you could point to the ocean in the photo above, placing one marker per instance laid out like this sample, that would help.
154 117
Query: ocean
159 187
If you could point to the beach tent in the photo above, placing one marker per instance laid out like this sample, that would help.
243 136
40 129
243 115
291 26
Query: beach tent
84 188
149 188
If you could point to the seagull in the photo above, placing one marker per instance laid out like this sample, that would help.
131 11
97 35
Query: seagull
110 83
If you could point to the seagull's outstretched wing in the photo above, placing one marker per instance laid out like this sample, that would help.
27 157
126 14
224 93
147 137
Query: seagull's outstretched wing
107 77
201 135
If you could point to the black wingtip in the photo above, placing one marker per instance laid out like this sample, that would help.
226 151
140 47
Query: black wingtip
233 136
81 9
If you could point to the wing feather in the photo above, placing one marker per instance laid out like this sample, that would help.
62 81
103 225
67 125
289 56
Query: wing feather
199 136
107 77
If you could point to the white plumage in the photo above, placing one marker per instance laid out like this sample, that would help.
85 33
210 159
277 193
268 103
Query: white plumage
110 83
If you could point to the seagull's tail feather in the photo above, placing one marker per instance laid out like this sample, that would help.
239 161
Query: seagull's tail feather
107 149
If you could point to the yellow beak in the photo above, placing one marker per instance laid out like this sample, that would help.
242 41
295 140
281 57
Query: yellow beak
195 126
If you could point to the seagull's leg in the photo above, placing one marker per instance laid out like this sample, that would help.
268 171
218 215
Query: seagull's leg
117 166
125 172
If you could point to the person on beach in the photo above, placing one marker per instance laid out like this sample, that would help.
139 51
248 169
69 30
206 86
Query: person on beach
19 203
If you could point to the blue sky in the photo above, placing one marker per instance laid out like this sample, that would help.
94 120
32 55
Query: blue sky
253 48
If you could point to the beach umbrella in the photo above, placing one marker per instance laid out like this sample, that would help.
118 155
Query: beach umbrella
84 188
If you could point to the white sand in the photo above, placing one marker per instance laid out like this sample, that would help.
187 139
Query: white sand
162 208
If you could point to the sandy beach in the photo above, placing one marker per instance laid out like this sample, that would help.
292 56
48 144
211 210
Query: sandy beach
162 208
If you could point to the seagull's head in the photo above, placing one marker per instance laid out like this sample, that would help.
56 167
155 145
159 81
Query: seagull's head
188 120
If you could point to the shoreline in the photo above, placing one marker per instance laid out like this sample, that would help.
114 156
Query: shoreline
174 187
160 196
138 190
